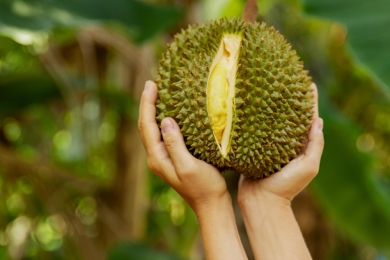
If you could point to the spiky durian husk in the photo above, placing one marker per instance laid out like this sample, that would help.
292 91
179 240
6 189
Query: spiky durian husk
273 106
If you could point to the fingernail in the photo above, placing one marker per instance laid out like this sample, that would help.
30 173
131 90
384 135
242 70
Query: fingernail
320 124
167 125
148 84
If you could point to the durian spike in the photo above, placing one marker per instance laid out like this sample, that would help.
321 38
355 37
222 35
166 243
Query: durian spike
250 11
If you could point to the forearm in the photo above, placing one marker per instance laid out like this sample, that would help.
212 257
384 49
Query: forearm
273 231
219 231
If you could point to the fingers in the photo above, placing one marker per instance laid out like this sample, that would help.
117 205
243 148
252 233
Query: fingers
150 133
315 145
313 86
158 157
174 142
300 171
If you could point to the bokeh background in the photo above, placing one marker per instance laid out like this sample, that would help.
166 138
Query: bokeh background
74 183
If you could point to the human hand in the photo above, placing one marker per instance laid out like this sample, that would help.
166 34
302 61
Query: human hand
284 185
198 182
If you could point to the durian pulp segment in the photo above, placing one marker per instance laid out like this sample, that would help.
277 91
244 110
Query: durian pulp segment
220 90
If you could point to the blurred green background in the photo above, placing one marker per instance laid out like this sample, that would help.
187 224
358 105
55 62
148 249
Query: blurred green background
73 177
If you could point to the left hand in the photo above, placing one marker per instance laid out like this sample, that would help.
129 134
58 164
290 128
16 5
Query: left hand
198 182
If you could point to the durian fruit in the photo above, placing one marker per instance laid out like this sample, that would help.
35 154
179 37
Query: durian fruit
239 94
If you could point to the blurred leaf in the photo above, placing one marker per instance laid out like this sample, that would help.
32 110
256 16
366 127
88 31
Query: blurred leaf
16 58
163 228
132 251
121 102
20 18
8 44
367 25
23 80
19 91
347 188
215 9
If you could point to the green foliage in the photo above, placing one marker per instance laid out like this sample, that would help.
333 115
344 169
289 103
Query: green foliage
122 104
172 222
23 81
231 8
23 90
18 17
132 251
367 23
347 187
39 126
39 122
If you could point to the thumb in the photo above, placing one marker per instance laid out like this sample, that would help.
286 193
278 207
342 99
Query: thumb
315 146
310 164
175 145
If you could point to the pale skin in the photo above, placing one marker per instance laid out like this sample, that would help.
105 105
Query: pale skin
265 204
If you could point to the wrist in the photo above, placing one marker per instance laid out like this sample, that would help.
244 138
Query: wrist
273 223
211 205
217 224
263 200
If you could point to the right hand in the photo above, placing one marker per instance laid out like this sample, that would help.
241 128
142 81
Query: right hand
284 185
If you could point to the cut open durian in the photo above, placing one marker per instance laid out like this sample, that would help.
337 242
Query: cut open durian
239 93
221 90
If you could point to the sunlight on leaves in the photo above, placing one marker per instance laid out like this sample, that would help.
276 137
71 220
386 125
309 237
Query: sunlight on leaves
365 143
62 139
48 236
107 132
12 129
15 204
86 210
18 230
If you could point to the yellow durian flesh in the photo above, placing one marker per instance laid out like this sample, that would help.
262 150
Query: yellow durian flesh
217 99
220 90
